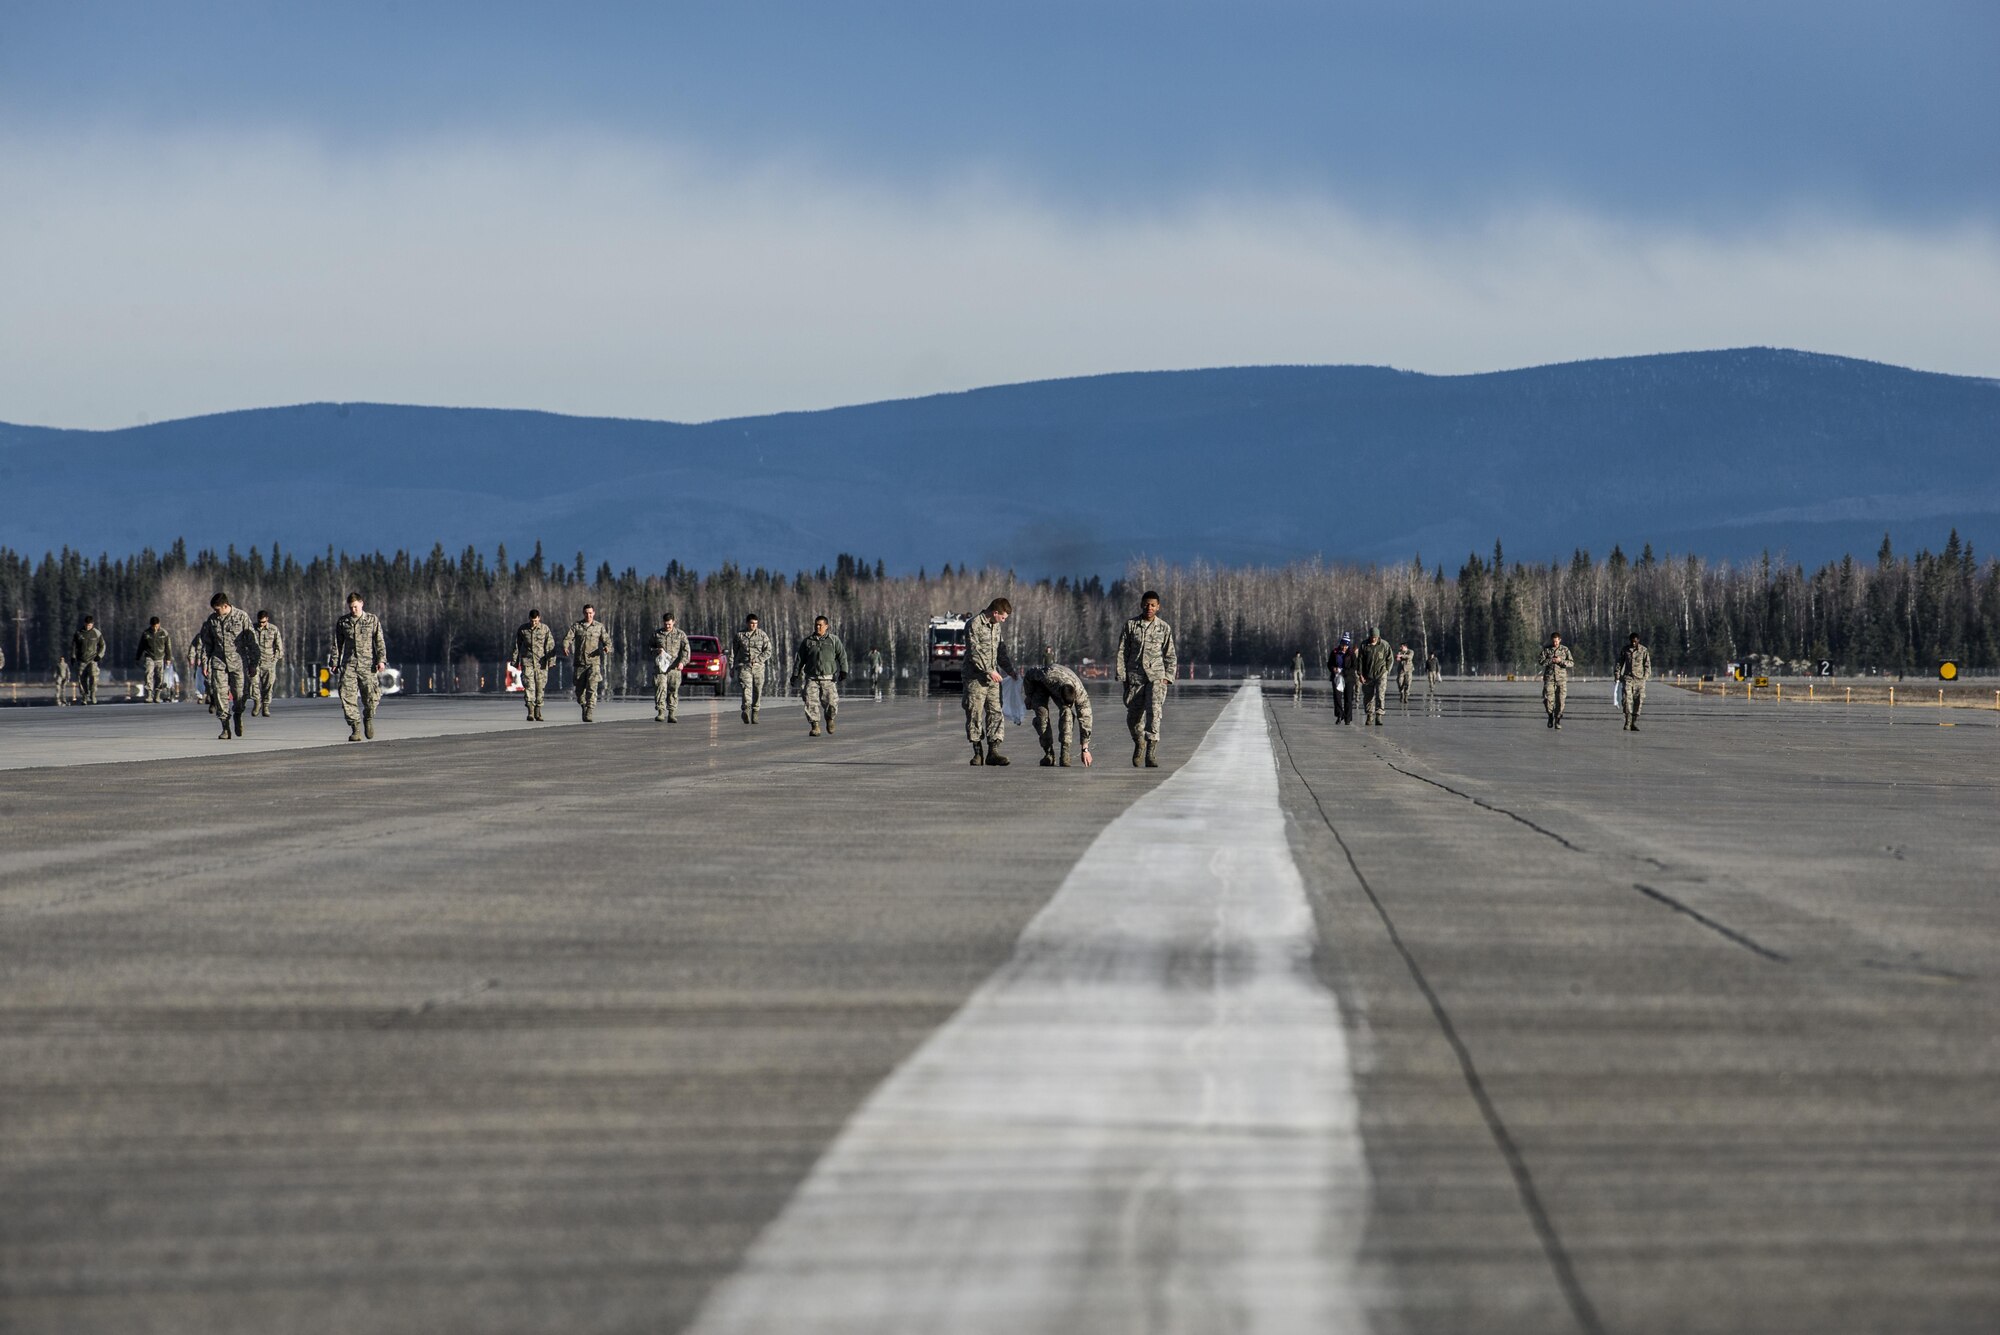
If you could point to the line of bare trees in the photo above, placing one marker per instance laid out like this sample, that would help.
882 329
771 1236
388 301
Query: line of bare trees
456 615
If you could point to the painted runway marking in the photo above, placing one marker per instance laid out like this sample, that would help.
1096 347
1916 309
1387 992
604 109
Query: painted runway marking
1143 1122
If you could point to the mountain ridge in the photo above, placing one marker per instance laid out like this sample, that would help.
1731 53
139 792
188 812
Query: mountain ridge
1725 452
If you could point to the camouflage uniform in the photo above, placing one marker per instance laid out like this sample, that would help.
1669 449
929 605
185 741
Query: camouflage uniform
1406 667
1146 667
822 665
667 682
218 646
588 645
270 650
1375 659
1635 665
534 650
155 648
875 670
1057 695
1556 662
1433 670
1298 671
753 661
985 654
359 652
62 681
86 647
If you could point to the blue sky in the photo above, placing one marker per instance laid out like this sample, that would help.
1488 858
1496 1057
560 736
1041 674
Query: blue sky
692 211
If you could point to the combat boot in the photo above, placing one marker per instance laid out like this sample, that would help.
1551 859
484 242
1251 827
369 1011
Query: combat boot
753 716
1048 760
1064 762
1152 760
225 731
978 756
829 725
1138 752
354 732
237 720
368 726
813 731
993 756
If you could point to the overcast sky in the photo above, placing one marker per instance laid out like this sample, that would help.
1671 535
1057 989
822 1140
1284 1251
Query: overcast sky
705 210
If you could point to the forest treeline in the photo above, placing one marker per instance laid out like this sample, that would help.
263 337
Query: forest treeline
1896 613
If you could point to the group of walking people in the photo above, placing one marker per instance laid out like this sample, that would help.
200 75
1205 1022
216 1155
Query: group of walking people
238 659
1364 670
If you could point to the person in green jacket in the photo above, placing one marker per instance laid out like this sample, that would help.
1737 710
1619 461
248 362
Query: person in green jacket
820 667
87 647
156 649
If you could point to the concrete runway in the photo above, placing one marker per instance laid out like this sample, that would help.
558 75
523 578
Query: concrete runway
484 1027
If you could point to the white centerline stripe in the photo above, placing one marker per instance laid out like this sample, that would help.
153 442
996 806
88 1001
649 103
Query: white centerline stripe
1143 1122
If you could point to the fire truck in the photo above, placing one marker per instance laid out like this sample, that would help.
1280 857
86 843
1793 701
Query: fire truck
945 654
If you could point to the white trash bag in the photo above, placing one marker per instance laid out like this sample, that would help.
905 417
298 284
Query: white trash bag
1013 701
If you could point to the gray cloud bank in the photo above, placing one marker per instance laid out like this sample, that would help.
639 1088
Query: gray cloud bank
148 277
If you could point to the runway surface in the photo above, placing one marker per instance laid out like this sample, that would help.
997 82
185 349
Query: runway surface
1457 1024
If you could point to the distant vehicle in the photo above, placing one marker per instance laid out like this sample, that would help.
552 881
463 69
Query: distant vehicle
322 682
707 664
945 655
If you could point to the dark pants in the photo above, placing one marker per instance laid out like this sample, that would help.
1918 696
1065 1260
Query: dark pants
1343 700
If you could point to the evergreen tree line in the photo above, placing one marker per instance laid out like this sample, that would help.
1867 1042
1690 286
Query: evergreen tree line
453 618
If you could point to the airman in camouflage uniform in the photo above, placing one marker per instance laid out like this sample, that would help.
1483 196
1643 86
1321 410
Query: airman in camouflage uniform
155 648
670 647
987 663
753 664
1635 665
1298 672
1433 669
62 681
1375 659
875 671
1556 662
86 647
588 647
264 677
1058 696
1406 667
360 652
1146 668
219 647
820 668
534 650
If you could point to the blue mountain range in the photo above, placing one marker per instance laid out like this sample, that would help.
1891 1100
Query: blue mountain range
1727 454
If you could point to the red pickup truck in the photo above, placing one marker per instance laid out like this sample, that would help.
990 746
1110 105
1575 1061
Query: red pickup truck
707 664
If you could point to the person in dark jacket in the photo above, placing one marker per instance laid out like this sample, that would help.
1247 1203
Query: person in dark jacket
1341 666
